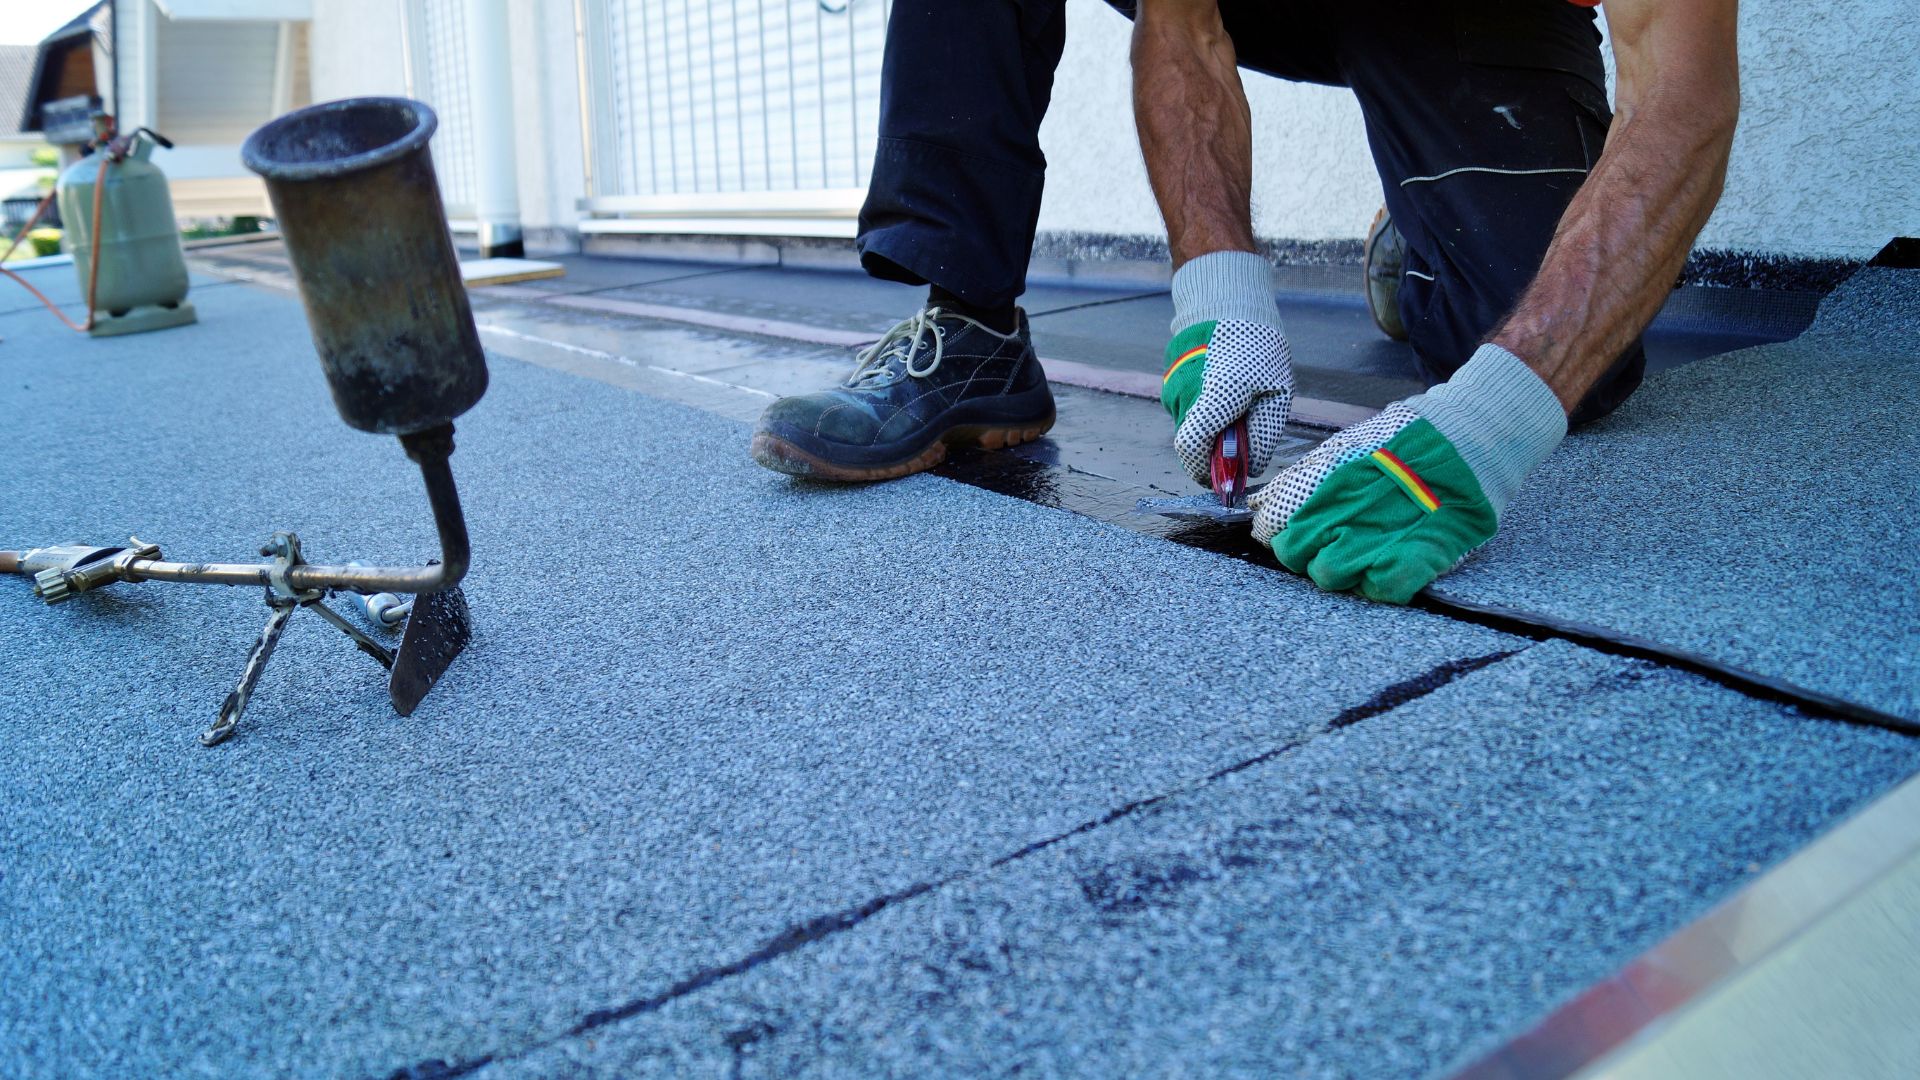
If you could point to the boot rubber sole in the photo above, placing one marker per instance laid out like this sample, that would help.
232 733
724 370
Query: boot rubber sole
782 456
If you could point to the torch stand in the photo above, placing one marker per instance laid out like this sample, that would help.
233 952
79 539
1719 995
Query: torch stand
354 190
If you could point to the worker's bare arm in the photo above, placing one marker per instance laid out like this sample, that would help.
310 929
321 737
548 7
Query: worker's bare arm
1195 128
1625 237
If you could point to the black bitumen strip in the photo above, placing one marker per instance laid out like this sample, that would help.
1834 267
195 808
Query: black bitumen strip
1388 699
822 927
1096 303
786 941
1901 253
437 1069
1540 627
1731 268
779 945
1413 689
666 281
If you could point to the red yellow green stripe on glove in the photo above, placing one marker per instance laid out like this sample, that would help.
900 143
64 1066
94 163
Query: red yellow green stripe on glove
1388 505
1217 372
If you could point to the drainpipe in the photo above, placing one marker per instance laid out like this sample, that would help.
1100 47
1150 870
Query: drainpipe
147 30
113 55
490 78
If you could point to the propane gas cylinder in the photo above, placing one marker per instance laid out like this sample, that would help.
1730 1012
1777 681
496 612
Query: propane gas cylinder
142 278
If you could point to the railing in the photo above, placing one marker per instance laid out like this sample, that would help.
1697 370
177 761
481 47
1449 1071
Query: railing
435 53
729 116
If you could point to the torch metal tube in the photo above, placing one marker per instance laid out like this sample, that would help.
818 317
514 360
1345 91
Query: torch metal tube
432 450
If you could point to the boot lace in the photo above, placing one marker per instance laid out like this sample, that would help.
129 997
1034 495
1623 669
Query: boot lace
903 342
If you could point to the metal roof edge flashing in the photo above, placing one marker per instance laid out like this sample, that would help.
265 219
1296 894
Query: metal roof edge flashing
1640 1003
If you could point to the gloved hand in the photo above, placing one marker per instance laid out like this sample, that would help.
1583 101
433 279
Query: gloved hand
1218 372
1388 505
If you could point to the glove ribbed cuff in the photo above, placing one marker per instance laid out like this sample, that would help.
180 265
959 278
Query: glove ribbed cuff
1224 285
1500 417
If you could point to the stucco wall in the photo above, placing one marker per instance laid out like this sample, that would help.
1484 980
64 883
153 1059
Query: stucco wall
1826 161
1827 157
1313 179
356 49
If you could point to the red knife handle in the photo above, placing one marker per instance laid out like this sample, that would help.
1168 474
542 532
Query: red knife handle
1230 463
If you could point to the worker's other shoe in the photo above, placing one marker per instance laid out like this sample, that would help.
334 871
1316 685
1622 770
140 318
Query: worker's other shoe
1385 263
936 380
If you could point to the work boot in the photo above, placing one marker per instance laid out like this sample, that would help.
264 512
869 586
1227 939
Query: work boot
1386 263
935 380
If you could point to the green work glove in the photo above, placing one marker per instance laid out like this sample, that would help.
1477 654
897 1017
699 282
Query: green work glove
1388 505
1218 372
1228 359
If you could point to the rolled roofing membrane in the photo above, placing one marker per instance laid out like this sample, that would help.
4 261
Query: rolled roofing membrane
1756 508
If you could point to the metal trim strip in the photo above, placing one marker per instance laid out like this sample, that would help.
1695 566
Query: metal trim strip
1629 1007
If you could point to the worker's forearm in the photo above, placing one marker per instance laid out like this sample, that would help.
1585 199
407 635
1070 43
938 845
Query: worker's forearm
1621 243
1195 129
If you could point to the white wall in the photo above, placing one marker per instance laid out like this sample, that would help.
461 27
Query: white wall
1827 157
356 49
215 79
205 84
1826 161
546 113
17 153
1313 178
135 27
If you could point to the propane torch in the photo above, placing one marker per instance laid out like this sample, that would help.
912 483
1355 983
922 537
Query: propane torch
353 187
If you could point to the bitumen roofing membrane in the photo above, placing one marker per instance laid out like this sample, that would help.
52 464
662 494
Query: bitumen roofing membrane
1757 507
753 774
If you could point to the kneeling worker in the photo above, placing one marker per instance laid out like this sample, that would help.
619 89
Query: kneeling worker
1528 239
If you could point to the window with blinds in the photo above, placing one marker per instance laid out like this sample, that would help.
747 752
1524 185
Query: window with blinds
215 80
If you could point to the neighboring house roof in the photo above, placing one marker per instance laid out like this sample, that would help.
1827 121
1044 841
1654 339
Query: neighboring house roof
79 24
97 21
16 73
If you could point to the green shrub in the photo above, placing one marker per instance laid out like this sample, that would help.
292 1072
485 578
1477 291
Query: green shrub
45 241
209 228
46 157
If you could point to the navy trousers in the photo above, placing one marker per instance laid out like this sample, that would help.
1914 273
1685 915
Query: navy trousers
1483 117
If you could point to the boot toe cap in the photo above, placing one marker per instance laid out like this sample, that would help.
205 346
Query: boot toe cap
828 417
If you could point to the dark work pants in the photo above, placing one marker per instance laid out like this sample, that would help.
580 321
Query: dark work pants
1483 117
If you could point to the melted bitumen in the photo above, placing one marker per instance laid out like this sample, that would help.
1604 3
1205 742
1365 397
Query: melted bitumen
1101 498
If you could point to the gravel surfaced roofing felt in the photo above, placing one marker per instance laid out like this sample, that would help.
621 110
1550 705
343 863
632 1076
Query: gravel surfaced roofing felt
829 780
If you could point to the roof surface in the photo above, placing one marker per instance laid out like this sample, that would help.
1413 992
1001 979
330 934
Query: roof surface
745 773
1757 507
16 77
